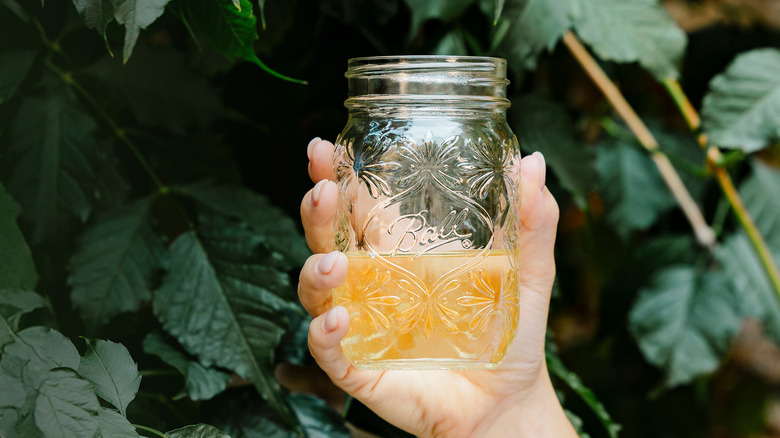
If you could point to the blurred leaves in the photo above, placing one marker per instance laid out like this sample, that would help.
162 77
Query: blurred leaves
673 321
632 31
634 193
543 125
742 108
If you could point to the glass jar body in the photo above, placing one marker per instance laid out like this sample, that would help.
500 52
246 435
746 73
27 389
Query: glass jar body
427 216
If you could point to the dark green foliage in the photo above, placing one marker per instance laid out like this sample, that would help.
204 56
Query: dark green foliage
152 166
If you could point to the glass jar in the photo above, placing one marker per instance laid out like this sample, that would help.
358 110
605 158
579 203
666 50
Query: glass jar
428 173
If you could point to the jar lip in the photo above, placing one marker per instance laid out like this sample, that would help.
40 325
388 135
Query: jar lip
387 64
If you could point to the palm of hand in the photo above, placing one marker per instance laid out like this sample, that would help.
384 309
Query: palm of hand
433 403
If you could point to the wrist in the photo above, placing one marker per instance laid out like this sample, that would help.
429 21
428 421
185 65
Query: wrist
537 414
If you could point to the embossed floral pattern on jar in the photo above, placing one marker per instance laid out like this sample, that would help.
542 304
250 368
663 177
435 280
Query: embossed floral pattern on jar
428 174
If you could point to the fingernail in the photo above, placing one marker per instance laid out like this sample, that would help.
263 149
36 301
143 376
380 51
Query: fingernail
331 321
542 170
315 193
313 141
325 265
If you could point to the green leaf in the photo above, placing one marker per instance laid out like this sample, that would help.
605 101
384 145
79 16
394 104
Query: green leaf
111 424
543 125
111 369
97 14
245 418
742 107
197 431
161 89
759 195
35 351
267 224
684 322
217 303
444 10
744 271
14 66
533 27
16 8
14 304
51 161
633 191
452 43
318 419
232 31
117 259
66 406
17 268
632 31
13 394
573 381
202 383
136 15
738 257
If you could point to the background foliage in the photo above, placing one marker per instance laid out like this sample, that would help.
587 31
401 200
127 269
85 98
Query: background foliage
152 160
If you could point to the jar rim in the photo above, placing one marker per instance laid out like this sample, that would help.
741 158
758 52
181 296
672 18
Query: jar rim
385 64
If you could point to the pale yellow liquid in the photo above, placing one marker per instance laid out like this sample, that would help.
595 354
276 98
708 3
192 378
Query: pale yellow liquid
438 310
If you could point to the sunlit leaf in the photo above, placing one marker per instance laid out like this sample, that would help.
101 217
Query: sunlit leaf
111 369
202 383
633 191
742 108
17 268
66 406
117 258
543 125
632 31
136 15
684 322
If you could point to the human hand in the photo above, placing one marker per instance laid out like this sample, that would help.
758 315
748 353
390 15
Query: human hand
515 399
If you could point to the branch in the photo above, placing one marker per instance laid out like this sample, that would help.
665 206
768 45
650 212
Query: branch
715 164
704 234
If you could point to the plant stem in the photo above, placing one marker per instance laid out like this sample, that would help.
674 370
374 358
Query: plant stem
716 166
704 234
149 429
120 133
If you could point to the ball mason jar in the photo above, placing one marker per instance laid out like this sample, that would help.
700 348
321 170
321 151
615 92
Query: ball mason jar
428 173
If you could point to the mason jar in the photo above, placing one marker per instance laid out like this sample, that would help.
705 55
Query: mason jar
428 173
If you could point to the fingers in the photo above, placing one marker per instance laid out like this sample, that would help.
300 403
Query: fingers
320 153
325 333
318 213
320 274
538 226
